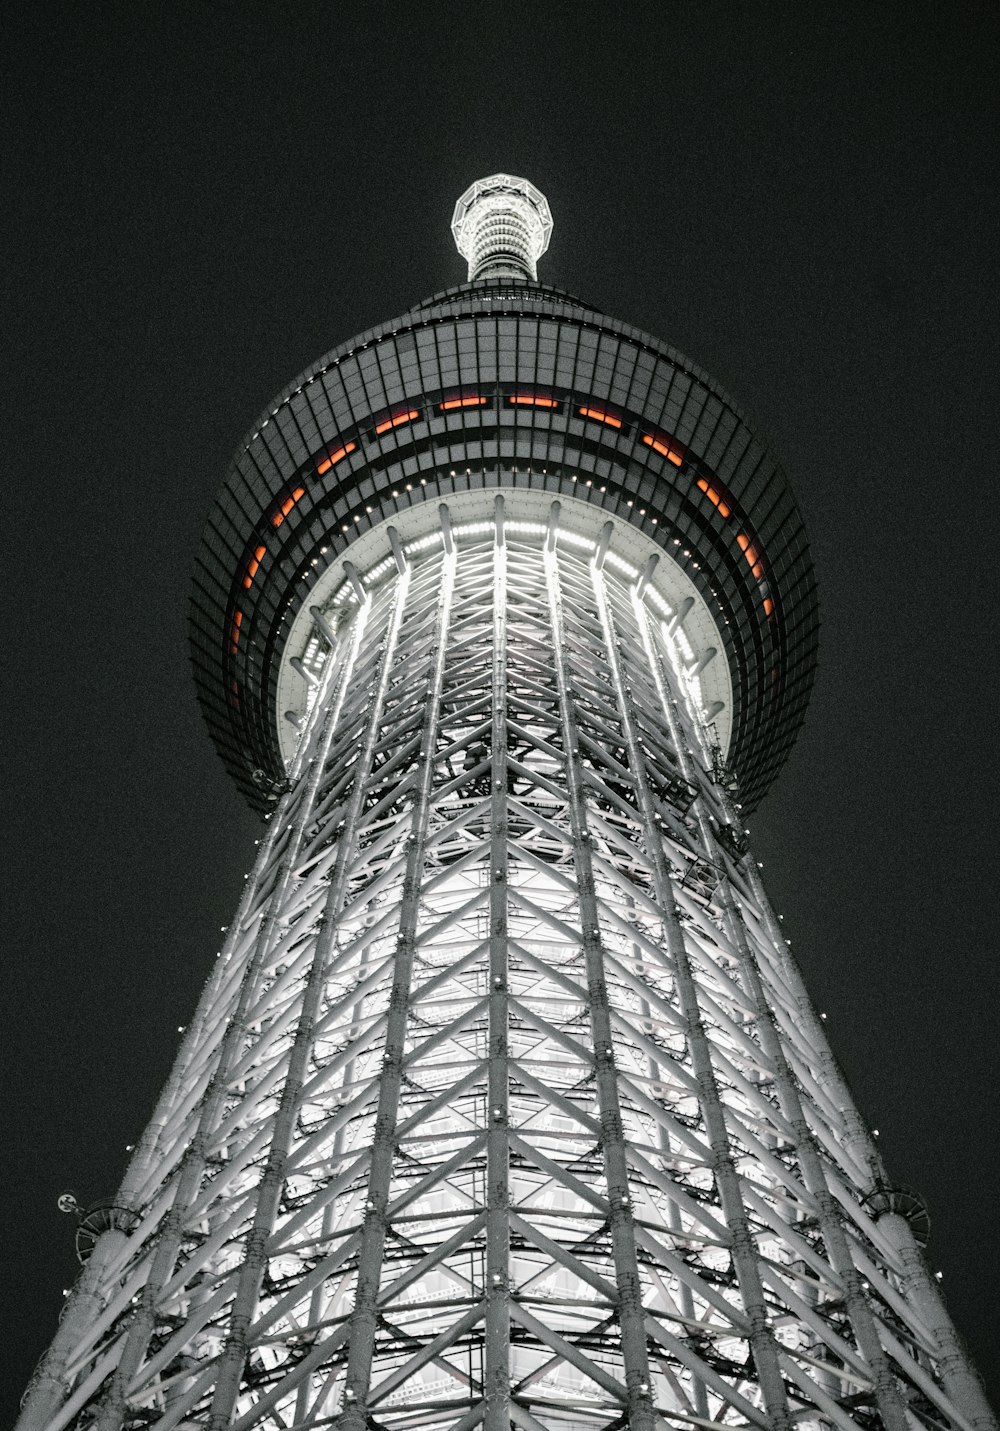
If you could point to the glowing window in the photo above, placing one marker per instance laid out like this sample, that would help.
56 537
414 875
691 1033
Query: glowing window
598 414
252 566
335 457
396 421
532 400
234 634
473 400
750 552
713 497
662 446
287 506
768 606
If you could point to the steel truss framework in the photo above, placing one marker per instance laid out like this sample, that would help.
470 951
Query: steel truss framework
505 1102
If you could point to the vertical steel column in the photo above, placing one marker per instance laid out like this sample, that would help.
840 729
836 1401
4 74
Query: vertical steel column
47 1389
496 1380
890 1403
744 1251
89 1297
363 1318
830 1216
236 1349
114 1402
143 1159
684 1294
958 1375
857 1139
630 1310
148 1146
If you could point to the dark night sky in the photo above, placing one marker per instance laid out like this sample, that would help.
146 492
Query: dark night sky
200 199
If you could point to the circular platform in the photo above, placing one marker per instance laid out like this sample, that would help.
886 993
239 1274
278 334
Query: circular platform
502 384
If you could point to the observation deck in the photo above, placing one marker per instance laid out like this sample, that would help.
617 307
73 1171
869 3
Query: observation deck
503 384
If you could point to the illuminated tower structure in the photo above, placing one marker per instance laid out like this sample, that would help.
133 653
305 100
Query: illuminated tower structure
504 1103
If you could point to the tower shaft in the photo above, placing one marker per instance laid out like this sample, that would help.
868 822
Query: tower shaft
504 1104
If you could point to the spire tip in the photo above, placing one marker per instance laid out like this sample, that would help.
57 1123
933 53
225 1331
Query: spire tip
502 226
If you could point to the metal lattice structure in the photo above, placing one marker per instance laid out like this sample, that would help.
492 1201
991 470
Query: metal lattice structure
505 1103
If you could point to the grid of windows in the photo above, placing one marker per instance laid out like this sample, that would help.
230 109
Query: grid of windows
510 384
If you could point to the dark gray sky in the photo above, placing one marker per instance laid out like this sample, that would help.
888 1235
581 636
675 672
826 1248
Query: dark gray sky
200 199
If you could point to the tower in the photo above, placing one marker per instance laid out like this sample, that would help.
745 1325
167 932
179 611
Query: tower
504 1102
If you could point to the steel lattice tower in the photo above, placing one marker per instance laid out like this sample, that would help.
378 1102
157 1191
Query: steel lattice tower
504 1102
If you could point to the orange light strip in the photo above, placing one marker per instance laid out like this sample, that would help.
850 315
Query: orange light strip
750 552
252 566
713 497
396 421
450 403
335 457
742 540
234 634
287 506
664 449
597 414
532 400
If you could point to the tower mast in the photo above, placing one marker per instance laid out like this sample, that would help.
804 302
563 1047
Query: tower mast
504 1103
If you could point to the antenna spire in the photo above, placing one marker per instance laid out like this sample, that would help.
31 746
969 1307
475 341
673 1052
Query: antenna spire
502 226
